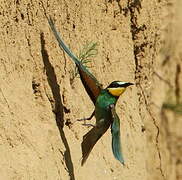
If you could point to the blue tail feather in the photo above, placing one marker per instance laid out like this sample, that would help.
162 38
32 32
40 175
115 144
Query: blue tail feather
116 144
62 44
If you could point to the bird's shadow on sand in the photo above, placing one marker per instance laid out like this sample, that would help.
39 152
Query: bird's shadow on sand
59 115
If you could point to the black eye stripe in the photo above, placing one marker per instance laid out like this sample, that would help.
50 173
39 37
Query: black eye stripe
115 85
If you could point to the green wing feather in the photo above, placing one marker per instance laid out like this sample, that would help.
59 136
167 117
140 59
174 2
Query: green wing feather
91 84
115 130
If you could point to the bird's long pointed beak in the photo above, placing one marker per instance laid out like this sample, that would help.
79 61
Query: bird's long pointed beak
129 84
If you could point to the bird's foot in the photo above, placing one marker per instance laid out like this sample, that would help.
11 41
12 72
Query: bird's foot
89 125
88 118
83 119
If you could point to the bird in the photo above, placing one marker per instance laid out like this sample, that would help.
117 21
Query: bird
104 100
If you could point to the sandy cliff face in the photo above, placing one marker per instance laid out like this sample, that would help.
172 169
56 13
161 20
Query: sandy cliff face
139 41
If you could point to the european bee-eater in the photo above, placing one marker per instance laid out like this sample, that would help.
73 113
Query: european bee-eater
104 101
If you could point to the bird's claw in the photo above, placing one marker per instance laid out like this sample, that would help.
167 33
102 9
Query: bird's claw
89 125
83 119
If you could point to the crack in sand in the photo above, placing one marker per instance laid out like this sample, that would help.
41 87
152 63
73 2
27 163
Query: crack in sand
177 83
6 101
138 53
158 131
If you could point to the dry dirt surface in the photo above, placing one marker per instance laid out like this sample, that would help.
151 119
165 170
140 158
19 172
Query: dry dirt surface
139 41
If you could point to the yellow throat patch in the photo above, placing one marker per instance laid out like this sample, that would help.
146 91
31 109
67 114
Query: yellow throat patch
116 91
